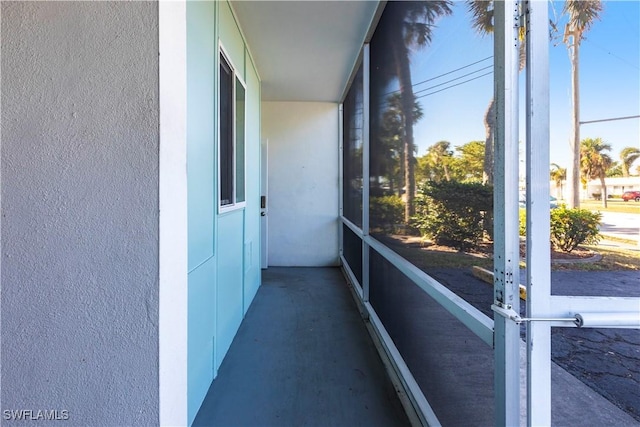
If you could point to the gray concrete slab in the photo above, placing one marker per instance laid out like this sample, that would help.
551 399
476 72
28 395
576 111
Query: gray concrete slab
302 356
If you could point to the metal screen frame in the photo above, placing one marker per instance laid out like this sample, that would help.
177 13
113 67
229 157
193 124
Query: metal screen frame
511 17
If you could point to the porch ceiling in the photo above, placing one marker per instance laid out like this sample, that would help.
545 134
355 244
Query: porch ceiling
304 50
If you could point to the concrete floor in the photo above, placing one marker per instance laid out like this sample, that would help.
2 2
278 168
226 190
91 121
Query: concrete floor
302 356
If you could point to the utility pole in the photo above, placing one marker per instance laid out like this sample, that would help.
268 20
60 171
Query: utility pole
573 173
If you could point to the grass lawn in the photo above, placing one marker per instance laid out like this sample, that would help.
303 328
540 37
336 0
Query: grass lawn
429 256
613 205
612 259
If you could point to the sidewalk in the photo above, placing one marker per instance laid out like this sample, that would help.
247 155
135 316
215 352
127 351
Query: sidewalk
588 363
613 241
621 229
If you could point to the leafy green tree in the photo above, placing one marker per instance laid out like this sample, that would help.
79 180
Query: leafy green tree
436 164
628 156
468 165
615 170
594 162
581 17
423 169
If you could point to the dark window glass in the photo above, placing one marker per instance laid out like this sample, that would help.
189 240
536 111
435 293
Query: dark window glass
352 152
240 141
226 133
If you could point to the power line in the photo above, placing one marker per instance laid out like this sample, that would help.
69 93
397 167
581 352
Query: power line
609 120
458 84
386 101
453 80
443 74
614 55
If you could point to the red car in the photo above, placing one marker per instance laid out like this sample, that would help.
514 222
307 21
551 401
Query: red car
631 195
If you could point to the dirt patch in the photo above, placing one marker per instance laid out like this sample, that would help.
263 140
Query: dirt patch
483 250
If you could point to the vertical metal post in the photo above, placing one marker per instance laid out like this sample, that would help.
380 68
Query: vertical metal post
538 251
506 239
365 171
341 176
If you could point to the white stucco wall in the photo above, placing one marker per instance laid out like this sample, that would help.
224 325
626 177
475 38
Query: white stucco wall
79 197
303 182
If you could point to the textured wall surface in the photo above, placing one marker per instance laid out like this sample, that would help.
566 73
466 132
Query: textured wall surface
303 182
79 199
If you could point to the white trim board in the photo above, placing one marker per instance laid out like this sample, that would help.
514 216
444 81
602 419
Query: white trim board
172 23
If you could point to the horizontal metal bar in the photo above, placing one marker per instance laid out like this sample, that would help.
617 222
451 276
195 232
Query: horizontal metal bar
599 319
511 314
357 230
595 308
468 315
608 320
544 319
351 276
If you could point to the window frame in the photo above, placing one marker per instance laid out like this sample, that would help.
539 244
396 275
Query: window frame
236 78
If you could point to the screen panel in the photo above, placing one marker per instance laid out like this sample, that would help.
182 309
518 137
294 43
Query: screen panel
353 108
452 366
353 252
431 134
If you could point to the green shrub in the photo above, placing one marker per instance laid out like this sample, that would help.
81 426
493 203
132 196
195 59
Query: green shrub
572 227
386 212
569 227
452 213
522 216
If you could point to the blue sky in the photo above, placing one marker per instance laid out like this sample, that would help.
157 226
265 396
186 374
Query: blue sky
609 81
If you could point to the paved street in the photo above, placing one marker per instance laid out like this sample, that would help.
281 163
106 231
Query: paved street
606 360
623 225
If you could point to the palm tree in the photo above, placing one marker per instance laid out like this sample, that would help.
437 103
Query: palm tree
439 157
594 162
482 21
392 129
411 23
582 14
558 175
628 155
615 170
